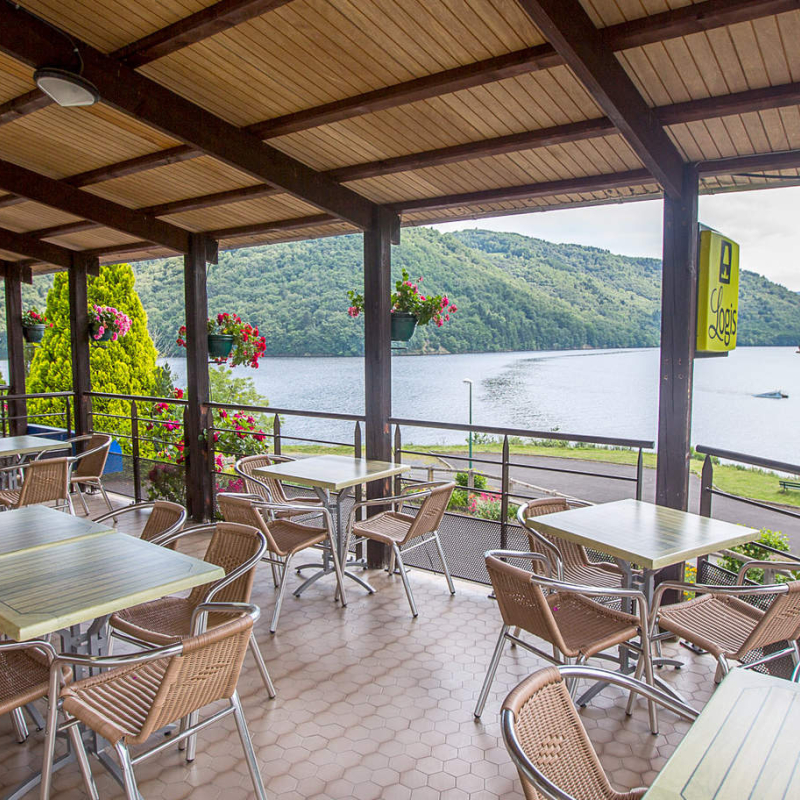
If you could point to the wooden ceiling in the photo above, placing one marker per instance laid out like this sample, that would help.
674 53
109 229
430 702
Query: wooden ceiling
272 120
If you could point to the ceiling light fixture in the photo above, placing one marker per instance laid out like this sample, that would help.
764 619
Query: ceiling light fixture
66 88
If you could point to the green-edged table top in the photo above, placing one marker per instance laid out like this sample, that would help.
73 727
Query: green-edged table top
643 533
42 591
744 744
25 445
333 473
36 527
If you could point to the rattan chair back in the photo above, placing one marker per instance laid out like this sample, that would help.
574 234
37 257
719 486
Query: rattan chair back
522 603
431 511
571 554
93 464
231 546
45 481
255 485
164 516
780 623
552 736
242 510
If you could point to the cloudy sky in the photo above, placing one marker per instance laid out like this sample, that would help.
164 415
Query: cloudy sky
765 223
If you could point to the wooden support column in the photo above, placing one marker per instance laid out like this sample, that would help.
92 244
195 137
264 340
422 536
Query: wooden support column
17 409
678 334
377 361
79 338
199 488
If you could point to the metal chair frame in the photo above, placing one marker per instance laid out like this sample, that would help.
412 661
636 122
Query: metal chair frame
23 466
91 480
282 565
208 598
740 590
548 585
415 492
172 529
188 731
508 722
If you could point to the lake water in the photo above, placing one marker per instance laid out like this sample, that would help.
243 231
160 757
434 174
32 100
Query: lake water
598 392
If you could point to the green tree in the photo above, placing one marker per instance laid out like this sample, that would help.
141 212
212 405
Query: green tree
127 366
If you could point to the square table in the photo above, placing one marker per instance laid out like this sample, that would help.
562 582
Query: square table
326 474
35 527
744 744
56 587
26 445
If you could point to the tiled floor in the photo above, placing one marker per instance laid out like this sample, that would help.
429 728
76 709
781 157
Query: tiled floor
374 704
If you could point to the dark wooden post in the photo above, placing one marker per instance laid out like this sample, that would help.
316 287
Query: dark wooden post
377 360
79 338
17 409
678 334
198 470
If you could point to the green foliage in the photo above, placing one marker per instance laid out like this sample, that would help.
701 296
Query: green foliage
478 480
126 366
774 539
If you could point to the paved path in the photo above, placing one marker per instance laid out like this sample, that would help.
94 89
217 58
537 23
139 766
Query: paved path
538 470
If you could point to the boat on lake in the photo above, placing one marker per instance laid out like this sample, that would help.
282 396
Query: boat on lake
776 395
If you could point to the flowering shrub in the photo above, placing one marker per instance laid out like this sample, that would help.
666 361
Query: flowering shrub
166 483
32 317
106 318
408 298
248 344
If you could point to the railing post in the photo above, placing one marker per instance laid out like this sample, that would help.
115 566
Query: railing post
276 435
359 492
137 478
68 417
17 409
639 474
706 484
504 488
398 458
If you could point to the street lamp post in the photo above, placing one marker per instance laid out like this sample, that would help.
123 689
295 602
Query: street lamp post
469 383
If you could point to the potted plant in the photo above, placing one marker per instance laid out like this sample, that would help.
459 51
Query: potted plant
409 308
231 339
108 324
34 325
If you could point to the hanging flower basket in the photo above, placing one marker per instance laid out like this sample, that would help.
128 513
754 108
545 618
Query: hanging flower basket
34 326
219 345
107 324
403 325
409 308
106 336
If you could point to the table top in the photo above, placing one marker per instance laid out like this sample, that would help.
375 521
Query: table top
35 527
744 744
646 534
42 591
25 445
332 472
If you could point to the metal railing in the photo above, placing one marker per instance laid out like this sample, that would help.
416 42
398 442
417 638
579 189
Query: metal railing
55 419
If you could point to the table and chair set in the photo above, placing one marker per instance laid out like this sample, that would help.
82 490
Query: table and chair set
70 587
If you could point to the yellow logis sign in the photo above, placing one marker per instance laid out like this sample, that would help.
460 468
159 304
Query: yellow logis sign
717 293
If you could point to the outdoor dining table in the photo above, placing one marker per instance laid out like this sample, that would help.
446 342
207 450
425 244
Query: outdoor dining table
744 744
15 447
338 474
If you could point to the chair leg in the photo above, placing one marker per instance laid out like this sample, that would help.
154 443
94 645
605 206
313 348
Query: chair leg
83 761
20 726
105 494
275 578
632 694
83 499
446 569
247 746
131 792
281 592
647 657
69 504
262 667
390 565
722 668
487 681
406 584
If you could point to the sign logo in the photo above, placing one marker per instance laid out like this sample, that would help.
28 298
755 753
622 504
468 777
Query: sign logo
725 256
717 293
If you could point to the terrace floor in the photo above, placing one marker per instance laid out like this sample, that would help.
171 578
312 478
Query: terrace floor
374 704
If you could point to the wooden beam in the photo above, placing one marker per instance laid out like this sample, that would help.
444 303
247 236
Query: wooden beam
60 195
593 183
759 162
26 245
570 31
275 225
24 104
196 415
17 409
678 335
79 338
132 166
30 40
198 26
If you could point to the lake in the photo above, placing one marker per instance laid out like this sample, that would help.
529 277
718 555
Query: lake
594 392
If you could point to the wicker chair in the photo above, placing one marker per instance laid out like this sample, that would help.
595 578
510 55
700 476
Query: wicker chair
285 538
152 689
45 481
545 737
397 530
88 465
570 560
238 550
271 490
164 519
719 620
562 614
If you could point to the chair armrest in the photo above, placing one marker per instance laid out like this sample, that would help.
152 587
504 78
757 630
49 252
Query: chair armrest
201 611
100 662
778 566
526 556
123 510
34 644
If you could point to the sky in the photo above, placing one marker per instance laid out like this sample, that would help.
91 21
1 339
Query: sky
765 223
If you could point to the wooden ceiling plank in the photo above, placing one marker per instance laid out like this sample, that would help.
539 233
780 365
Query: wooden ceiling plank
25 245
